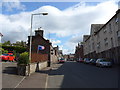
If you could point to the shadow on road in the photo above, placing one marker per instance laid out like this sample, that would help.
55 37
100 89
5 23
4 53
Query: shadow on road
10 70
79 75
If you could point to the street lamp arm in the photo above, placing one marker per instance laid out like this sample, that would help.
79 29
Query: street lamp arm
40 14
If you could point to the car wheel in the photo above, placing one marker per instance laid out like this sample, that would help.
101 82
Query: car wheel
96 65
8 59
100 65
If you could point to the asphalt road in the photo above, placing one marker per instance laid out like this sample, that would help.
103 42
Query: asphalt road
10 79
79 75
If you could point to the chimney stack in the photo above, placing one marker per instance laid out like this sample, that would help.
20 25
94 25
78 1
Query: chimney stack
39 32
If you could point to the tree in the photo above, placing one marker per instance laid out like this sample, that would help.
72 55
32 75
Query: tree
2 51
20 43
7 43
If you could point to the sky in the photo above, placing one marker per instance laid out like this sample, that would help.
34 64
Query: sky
65 24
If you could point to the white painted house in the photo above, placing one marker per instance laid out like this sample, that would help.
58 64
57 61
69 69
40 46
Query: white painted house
0 37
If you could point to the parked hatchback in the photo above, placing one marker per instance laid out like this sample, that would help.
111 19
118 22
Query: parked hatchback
103 62
7 57
93 61
87 60
62 60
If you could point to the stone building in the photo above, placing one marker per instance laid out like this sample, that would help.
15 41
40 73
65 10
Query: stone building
89 41
86 45
54 54
104 40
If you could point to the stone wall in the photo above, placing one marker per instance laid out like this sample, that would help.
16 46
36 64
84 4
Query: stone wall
37 66
33 67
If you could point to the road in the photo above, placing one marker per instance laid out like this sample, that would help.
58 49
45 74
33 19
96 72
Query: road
67 75
9 77
79 75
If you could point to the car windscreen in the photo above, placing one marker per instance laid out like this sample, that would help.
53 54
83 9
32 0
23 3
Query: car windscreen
105 60
5 54
10 55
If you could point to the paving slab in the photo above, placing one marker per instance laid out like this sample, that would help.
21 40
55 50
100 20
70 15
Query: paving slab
35 80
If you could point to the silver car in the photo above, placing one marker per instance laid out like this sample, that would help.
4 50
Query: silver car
103 62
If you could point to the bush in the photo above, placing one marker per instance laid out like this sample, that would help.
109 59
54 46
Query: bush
23 58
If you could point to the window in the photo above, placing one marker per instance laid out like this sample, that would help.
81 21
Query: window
118 33
119 41
98 36
106 41
93 45
110 28
116 20
98 45
112 42
104 29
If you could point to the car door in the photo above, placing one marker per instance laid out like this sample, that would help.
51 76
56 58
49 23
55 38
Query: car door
11 58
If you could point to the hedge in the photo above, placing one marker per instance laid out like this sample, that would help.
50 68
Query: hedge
18 49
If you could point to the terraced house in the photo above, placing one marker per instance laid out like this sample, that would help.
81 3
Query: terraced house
104 40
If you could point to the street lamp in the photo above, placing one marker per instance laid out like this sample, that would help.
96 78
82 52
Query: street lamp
31 32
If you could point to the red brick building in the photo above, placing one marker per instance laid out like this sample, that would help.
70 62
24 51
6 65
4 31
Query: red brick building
79 51
40 55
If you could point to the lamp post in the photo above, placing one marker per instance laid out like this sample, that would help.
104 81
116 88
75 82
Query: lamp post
31 33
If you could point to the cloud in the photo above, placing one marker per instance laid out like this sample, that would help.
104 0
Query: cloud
14 30
76 38
55 42
73 22
10 6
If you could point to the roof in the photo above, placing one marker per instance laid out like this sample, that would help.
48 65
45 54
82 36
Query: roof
95 27
86 37
118 11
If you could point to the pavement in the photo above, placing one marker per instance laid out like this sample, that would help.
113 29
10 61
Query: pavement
9 75
35 80
11 80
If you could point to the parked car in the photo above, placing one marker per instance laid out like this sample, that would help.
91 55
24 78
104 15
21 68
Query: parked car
103 62
7 57
87 60
62 60
10 52
71 59
93 61
80 60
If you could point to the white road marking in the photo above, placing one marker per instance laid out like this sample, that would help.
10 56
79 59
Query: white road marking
46 82
20 82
